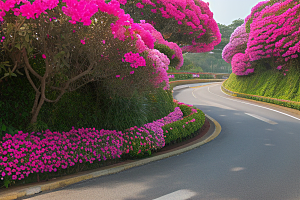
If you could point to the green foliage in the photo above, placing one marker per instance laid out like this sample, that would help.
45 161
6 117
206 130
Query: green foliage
16 99
268 83
226 32
97 107
168 52
186 110
208 62
183 129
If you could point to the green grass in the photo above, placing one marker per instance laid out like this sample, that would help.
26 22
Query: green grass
268 83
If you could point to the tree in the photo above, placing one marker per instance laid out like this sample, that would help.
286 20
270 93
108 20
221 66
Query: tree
73 54
226 32
190 24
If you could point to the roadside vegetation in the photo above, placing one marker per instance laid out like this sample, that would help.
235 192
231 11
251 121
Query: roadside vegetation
83 84
264 53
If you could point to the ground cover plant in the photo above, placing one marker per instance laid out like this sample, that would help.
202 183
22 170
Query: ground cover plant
53 153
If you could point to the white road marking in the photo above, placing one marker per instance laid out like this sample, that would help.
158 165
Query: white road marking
237 169
178 195
254 105
209 103
262 118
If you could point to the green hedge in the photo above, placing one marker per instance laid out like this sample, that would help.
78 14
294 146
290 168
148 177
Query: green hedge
183 129
268 86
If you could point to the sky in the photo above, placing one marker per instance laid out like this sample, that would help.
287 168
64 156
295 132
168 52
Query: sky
225 11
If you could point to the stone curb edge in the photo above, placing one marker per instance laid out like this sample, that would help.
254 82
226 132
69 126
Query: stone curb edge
113 170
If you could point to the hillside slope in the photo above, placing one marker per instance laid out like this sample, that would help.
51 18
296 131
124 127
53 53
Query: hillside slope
268 83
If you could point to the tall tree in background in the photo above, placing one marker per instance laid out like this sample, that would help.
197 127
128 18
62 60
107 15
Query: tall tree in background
226 31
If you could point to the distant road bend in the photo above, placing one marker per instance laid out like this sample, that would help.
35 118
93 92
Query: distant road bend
255 157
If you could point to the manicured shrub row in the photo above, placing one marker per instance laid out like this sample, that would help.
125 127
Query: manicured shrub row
192 81
187 75
185 128
281 102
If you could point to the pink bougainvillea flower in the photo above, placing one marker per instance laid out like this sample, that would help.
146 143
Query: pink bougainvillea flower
44 56
279 67
118 76
82 41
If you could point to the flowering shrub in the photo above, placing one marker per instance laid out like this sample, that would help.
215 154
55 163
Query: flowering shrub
185 127
237 44
139 141
272 36
241 65
27 153
93 37
187 22
160 40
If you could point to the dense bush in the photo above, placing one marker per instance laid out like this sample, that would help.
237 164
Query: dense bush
185 128
189 23
174 61
270 36
95 107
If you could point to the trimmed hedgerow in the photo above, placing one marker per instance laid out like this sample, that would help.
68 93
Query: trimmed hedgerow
268 86
185 128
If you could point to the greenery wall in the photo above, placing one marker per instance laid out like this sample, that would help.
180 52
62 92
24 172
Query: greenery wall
268 83
90 106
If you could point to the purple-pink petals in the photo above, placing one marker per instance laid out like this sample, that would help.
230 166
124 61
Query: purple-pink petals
135 59
27 153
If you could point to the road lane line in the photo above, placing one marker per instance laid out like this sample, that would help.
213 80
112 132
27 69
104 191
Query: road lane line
178 195
209 103
253 105
262 118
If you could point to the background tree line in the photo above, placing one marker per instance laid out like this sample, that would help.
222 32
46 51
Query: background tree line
211 61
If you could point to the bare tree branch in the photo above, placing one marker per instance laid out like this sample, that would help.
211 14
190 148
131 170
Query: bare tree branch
29 66
30 81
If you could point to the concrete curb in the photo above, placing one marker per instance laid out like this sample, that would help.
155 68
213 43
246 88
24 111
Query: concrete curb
112 170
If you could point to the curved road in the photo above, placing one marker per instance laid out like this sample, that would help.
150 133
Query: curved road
255 157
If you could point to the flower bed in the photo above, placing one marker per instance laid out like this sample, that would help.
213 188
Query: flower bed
26 154
192 121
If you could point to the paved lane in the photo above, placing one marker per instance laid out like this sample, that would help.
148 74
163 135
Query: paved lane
256 156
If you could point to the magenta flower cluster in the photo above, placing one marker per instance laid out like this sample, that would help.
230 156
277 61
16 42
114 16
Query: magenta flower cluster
158 38
82 11
150 136
135 59
237 44
274 34
193 13
241 65
27 153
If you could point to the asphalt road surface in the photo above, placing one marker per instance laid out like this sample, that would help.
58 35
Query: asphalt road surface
255 157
